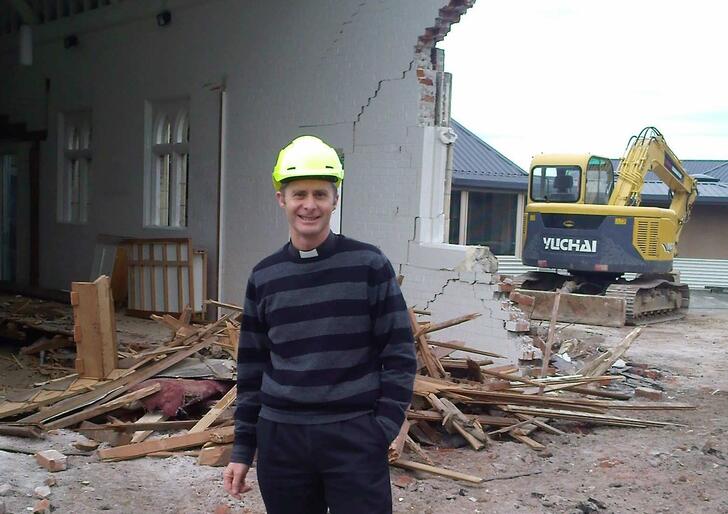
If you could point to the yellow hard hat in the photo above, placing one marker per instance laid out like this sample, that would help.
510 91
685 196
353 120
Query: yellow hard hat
307 157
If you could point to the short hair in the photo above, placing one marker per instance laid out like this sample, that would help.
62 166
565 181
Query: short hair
284 186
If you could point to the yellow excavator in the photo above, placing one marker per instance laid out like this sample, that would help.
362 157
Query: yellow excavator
580 220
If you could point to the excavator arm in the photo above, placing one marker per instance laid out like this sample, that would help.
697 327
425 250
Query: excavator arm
647 152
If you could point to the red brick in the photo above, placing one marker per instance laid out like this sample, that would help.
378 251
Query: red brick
42 507
646 392
403 481
52 460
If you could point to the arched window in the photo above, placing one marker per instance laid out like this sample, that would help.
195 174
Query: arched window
75 167
168 165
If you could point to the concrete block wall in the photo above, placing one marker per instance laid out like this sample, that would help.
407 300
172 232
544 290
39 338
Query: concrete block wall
449 294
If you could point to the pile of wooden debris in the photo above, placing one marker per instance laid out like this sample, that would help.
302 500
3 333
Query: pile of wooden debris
468 398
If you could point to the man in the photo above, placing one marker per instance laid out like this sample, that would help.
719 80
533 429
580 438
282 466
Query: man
326 359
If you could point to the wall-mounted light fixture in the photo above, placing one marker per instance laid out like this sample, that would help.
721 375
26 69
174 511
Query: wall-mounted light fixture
164 18
70 41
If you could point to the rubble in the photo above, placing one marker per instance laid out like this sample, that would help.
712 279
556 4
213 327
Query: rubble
458 400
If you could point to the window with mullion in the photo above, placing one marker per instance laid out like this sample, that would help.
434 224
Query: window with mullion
170 169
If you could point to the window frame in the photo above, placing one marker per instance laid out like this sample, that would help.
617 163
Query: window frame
74 169
465 209
545 199
166 191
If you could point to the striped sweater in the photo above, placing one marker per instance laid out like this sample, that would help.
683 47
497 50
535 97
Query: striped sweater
325 337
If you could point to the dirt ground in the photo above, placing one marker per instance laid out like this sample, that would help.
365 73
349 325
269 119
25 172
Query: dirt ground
592 469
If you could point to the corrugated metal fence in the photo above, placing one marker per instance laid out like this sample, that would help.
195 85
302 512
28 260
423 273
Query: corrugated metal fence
697 273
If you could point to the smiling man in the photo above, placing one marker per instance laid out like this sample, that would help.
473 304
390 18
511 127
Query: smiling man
326 358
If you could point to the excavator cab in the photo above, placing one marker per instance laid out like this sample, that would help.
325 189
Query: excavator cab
585 179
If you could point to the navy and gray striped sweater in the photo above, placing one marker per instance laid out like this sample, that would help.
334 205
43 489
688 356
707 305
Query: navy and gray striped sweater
324 338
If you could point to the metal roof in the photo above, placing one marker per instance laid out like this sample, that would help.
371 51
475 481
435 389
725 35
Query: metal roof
477 164
709 193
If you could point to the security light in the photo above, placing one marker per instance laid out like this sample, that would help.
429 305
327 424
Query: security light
164 18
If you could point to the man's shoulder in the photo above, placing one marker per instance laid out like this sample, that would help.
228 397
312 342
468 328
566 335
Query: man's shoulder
370 253
275 258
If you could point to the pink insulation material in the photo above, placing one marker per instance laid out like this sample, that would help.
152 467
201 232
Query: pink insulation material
177 393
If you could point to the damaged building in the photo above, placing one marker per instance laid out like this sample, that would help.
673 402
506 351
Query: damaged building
128 120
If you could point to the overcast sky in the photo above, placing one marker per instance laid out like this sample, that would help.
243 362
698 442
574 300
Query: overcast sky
532 76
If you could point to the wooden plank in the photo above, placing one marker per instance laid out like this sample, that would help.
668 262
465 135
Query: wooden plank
416 466
141 271
459 345
396 448
546 358
92 412
433 327
153 276
434 367
117 387
222 404
222 436
191 277
148 417
579 308
107 325
589 417
165 280
180 300
131 281
88 338
223 305
534 445
603 362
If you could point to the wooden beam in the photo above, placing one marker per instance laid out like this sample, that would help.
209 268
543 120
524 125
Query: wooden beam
103 408
119 386
222 404
416 466
131 451
579 308
459 345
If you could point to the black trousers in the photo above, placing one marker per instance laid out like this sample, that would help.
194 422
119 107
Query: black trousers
307 469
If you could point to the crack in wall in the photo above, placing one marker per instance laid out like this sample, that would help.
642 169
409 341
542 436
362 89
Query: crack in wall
379 87
442 291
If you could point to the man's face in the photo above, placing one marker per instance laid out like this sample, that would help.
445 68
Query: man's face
308 204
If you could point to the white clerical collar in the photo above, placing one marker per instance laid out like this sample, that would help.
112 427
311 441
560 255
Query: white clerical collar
307 254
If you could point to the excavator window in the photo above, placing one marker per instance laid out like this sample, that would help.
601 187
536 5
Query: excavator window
599 181
555 184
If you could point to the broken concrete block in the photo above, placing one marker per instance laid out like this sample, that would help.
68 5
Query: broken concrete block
5 489
522 299
42 507
42 491
519 325
52 460
646 392
85 444
505 287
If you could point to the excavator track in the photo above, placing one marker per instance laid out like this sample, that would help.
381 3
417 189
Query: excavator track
651 300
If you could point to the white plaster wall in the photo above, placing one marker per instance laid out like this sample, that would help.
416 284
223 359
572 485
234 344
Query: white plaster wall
320 67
